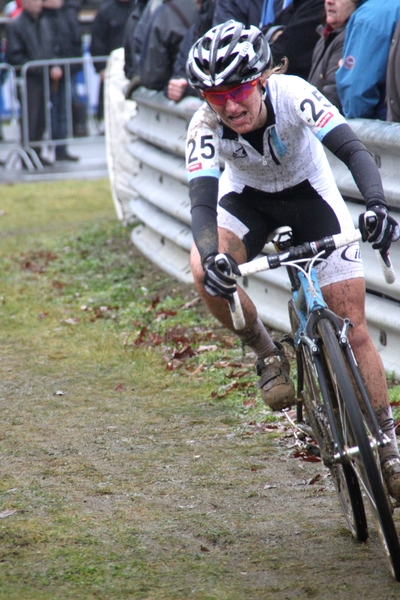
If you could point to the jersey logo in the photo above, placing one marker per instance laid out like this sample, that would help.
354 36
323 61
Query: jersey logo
195 167
349 62
239 152
325 119
351 253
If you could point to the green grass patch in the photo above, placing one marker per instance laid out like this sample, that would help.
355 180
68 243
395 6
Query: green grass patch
137 459
106 366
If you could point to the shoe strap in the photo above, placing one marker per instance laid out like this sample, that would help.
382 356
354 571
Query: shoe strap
391 466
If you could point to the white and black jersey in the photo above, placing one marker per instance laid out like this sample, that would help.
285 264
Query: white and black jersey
297 115
277 175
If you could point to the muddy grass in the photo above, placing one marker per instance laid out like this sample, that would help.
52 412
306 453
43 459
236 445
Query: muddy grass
122 478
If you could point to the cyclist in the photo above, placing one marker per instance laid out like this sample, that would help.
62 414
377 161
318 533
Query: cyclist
268 128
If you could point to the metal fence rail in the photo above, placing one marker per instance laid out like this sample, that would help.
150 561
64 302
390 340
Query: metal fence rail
15 145
160 201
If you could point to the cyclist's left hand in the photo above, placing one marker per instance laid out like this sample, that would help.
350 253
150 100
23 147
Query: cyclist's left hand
380 231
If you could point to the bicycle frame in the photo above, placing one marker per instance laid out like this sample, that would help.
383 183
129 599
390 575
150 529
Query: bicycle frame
310 306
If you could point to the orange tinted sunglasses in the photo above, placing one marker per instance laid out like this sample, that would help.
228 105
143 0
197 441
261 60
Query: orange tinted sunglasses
237 94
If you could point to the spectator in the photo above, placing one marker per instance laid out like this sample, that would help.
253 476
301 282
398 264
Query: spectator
361 77
67 44
29 37
134 41
161 41
244 11
71 9
271 10
108 34
393 79
294 35
178 85
131 60
328 50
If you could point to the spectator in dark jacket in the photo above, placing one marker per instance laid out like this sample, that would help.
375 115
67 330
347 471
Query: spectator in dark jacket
108 34
161 41
393 79
67 44
178 85
134 42
328 50
29 37
244 11
297 28
131 57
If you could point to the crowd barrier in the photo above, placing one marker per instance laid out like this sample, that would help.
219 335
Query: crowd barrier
159 200
80 89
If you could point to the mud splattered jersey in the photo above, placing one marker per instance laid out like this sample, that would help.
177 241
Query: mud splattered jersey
298 119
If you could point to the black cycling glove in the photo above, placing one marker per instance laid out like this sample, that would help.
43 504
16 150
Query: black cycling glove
218 280
381 231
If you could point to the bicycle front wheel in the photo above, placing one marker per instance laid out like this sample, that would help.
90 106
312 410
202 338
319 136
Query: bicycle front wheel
343 475
359 445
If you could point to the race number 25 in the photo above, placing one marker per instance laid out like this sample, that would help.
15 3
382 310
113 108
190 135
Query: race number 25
205 144
315 115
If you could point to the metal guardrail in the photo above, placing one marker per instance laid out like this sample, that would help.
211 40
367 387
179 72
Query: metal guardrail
160 201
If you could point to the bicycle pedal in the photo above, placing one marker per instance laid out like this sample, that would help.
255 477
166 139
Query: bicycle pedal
313 450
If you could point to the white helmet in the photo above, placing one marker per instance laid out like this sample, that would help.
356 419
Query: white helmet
228 54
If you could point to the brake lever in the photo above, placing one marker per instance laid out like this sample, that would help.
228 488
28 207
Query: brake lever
383 257
235 306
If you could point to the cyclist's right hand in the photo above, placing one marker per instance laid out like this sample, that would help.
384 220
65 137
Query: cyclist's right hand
219 281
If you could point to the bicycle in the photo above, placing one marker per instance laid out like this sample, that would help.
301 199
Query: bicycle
333 407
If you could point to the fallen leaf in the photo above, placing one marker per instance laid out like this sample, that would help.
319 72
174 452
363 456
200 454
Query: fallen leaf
224 390
211 348
251 402
191 303
172 365
197 370
164 314
303 455
153 304
7 513
186 352
313 479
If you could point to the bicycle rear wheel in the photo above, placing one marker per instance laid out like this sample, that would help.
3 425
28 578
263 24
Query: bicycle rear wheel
343 475
359 445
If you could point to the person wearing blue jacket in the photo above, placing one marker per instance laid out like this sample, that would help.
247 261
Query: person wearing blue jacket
361 77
